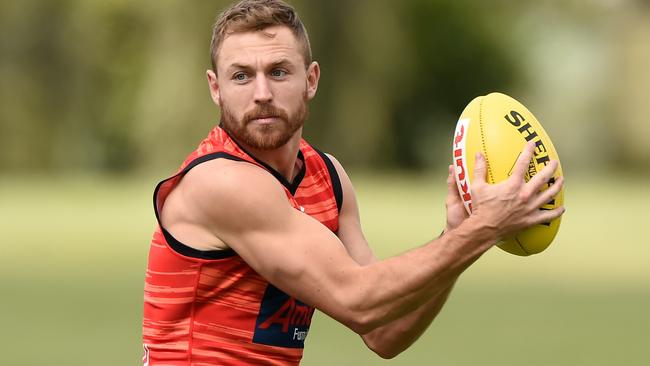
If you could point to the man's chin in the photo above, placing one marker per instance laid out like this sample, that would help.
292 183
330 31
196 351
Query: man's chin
261 136
271 142
266 138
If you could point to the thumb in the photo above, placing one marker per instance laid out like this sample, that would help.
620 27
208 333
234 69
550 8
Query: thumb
480 169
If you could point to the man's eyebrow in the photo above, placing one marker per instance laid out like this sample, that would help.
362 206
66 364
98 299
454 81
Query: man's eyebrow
238 66
285 62
282 62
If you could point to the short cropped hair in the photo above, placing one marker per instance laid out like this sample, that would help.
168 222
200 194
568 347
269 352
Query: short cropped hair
257 15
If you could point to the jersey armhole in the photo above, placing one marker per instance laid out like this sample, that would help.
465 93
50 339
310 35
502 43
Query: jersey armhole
175 244
334 177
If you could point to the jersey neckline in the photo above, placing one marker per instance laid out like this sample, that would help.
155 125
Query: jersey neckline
292 186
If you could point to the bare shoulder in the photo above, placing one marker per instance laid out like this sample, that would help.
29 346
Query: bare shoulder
349 197
226 181
350 231
223 188
219 197
343 175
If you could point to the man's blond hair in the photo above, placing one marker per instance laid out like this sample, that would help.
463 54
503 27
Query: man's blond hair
257 15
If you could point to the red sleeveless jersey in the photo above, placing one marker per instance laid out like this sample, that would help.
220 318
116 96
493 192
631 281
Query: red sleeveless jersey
211 307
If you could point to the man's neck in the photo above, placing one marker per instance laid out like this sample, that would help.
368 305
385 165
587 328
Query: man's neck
283 159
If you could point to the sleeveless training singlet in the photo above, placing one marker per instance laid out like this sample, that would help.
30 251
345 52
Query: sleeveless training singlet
210 307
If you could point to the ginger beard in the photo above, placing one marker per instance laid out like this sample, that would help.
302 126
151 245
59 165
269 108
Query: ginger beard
267 136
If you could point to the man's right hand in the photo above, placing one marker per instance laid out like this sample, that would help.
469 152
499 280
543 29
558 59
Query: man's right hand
508 207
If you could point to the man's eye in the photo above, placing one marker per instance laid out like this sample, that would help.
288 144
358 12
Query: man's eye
240 76
277 73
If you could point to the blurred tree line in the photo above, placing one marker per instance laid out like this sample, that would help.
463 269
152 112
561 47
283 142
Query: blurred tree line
119 86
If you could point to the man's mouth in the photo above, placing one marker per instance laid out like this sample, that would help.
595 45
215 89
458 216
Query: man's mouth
265 119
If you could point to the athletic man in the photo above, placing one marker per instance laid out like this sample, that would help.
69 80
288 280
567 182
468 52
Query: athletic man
258 228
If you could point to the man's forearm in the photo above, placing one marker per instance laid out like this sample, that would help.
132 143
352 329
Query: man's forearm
393 338
390 289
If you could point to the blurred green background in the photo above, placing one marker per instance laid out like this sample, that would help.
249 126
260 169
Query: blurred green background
101 99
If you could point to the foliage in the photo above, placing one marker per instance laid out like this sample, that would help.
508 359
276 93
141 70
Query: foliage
118 86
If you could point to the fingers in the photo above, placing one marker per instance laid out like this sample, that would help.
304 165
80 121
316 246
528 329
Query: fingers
542 177
480 169
521 166
543 216
451 182
452 191
547 195
453 195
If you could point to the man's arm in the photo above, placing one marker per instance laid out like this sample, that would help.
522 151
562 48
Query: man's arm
245 208
391 339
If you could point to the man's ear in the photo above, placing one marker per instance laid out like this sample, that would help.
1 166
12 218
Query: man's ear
214 87
313 75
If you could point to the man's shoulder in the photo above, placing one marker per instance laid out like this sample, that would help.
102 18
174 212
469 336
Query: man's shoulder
225 179
342 174
235 185
228 197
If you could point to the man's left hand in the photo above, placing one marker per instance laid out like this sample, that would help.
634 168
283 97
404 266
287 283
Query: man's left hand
456 212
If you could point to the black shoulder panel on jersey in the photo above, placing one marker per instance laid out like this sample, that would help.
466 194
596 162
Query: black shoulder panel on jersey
336 181
176 245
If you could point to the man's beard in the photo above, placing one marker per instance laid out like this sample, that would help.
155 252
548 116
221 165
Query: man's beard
264 137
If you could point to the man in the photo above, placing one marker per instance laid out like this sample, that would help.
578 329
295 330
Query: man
258 228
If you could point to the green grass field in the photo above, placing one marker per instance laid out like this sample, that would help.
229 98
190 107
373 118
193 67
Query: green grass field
73 254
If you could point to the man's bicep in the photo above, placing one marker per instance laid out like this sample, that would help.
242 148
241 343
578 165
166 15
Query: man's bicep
288 245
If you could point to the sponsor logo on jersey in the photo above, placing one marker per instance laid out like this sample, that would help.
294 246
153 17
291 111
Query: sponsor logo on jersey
282 321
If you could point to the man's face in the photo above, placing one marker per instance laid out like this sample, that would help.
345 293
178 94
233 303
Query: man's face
263 87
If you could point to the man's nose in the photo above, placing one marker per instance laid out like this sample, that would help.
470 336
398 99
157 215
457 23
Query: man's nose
263 92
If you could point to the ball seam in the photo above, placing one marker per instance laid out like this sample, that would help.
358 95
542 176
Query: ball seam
521 246
483 145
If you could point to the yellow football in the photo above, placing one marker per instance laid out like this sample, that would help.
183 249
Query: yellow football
499 127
